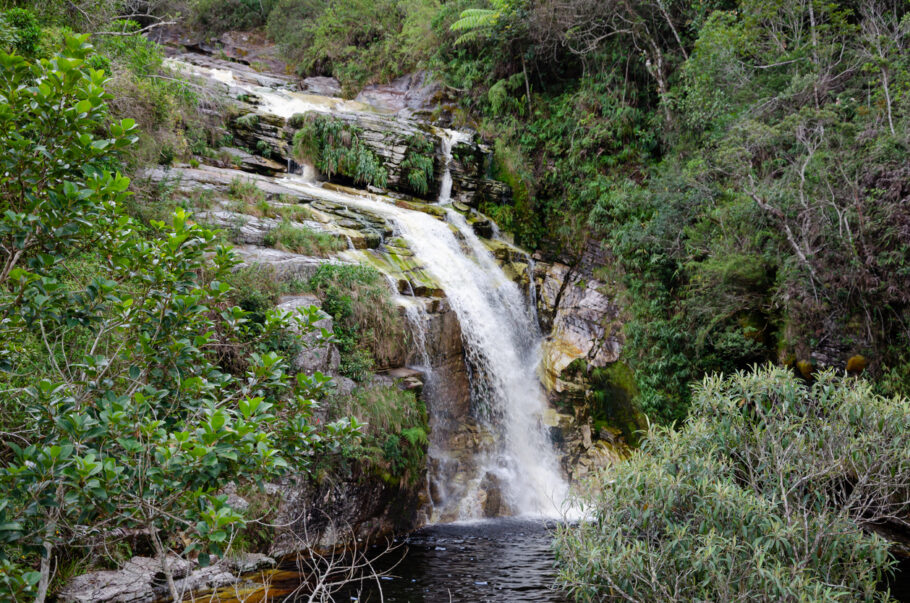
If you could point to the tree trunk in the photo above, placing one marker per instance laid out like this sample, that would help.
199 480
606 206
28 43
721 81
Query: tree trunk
162 555
44 581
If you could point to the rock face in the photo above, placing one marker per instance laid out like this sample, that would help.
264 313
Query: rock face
142 580
385 126
330 514
318 354
583 322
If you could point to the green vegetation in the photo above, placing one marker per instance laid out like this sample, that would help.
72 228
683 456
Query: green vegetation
297 238
357 41
133 389
19 30
218 16
369 331
394 441
742 172
419 164
334 147
743 163
767 493
246 191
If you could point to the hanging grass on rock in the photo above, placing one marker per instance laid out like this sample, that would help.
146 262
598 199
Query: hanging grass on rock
395 429
419 163
335 148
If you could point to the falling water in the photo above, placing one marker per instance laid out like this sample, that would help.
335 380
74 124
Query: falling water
417 317
502 345
449 139
500 335
276 101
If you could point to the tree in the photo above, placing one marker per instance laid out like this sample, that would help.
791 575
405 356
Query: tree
133 391
772 491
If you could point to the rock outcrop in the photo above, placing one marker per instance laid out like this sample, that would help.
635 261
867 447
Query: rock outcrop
261 125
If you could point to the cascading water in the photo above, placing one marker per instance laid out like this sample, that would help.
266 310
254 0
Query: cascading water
449 139
502 344
499 330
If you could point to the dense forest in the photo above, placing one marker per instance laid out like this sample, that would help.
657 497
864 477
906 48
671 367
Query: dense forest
741 167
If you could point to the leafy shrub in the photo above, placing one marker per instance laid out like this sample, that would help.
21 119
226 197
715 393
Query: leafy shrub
137 425
301 239
164 106
22 30
255 289
334 147
356 41
767 493
418 164
368 326
218 16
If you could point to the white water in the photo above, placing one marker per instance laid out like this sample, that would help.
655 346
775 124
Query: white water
449 139
283 103
499 329
502 343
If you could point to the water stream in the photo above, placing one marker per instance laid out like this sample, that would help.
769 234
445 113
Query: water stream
502 345
449 139
505 559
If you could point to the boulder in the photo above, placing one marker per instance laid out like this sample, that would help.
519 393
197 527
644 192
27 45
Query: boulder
142 580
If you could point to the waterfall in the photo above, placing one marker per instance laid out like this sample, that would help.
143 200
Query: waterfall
499 330
417 317
449 139
502 345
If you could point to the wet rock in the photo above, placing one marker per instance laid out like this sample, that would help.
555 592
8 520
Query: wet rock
254 163
494 504
583 323
483 227
242 228
406 95
335 512
142 580
191 181
407 378
343 386
586 436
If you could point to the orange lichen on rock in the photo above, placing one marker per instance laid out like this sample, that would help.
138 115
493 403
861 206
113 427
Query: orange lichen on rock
857 364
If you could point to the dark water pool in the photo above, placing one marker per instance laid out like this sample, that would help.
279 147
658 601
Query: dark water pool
494 560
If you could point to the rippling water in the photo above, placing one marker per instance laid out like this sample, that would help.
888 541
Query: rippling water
494 560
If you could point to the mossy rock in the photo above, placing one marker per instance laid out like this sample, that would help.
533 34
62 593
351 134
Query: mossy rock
433 210
614 400
805 368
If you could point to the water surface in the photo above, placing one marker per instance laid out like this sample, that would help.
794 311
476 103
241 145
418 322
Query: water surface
494 560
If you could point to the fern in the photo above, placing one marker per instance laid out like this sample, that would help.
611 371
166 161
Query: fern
475 22
415 436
